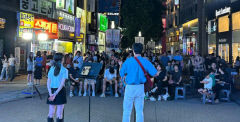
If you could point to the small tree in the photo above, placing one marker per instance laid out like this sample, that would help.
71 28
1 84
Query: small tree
144 16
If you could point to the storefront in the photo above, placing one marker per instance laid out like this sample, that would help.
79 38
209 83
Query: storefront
66 29
172 43
189 37
212 36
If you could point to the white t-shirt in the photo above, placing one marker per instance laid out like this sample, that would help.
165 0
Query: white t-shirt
11 61
5 63
209 84
108 75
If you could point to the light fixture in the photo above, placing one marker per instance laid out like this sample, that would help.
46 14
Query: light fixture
42 36
27 36
139 33
113 25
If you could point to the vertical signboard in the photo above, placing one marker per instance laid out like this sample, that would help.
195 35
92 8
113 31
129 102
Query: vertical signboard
70 6
26 23
60 4
77 26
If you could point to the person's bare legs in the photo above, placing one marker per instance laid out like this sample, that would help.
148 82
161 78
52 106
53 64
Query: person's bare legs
59 113
116 86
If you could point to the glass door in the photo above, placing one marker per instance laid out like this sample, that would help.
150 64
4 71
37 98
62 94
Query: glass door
223 51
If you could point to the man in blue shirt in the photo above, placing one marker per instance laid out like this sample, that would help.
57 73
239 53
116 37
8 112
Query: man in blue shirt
135 79
78 60
164 59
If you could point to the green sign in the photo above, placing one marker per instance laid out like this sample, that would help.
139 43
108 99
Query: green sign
103 23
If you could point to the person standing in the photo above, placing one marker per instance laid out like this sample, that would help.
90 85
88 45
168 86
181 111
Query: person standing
164 60
30 69
12 63
56 89
38 68
135 79
78 60
5 68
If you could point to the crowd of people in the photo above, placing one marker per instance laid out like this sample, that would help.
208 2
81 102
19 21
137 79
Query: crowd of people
211 73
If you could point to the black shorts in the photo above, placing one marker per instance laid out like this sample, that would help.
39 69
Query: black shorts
30 72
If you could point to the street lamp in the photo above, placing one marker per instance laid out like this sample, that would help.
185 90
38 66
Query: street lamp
139 33
112 24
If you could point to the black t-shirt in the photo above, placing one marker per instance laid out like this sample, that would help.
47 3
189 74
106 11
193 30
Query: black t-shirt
161 76
50 57
72 72
176 76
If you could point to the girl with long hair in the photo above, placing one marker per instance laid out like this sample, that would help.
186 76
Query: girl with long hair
56 88
30 69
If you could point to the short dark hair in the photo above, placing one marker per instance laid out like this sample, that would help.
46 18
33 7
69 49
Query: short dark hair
138 47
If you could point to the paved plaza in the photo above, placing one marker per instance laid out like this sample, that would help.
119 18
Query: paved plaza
110 110
14 107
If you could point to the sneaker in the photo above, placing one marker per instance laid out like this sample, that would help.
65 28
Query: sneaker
152 99
165 97
79 94
102 95
93 94
116 95
154 90
85 94
159 98
71 94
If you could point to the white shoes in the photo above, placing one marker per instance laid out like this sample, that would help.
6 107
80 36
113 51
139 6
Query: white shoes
79 94
154 90
93 94
159 98
165 96
102 95
71 94
116 95
152 98
84 94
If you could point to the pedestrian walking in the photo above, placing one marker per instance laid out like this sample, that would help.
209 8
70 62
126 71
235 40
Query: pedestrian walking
30 69
5 68
38 68
135 79
56 88
12 62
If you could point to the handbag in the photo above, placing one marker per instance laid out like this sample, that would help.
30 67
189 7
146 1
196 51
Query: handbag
149 84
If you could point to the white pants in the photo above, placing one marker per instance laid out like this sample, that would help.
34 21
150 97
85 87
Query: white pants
133 94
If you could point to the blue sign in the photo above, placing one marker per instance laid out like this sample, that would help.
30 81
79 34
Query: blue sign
109 6
77 26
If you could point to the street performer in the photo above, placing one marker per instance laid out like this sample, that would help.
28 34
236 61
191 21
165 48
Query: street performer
135 79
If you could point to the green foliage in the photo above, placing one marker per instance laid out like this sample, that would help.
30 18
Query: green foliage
144 16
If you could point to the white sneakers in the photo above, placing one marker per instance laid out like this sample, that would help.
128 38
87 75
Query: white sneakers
102 95
152 98
71 94
79 94
116 95
84 94
165 96
159 98
93 94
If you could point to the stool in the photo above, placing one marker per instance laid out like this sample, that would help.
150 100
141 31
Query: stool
226 93
109 90
180 96
212 96
193 83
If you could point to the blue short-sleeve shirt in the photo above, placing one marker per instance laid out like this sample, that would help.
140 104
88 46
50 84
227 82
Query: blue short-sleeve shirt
133 71
56 80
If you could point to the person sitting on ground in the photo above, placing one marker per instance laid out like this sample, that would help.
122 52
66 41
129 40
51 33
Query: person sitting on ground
161 82
110 76
208 84
175 80
74 80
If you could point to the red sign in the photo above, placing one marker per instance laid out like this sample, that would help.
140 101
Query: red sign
51 28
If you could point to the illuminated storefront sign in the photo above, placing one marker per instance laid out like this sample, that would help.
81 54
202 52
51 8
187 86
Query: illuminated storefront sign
103 22
236 21
60 4
65 27
223 11
223 24
26 23
82 14
50 27
2 23
43 7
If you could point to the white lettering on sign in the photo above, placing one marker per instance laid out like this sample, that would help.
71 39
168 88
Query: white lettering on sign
113 14
223 11
66 27
222 40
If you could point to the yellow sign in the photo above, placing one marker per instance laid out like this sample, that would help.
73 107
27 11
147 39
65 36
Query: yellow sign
223 24
89 18
2 23
236 21
191 23
63 47
26 21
